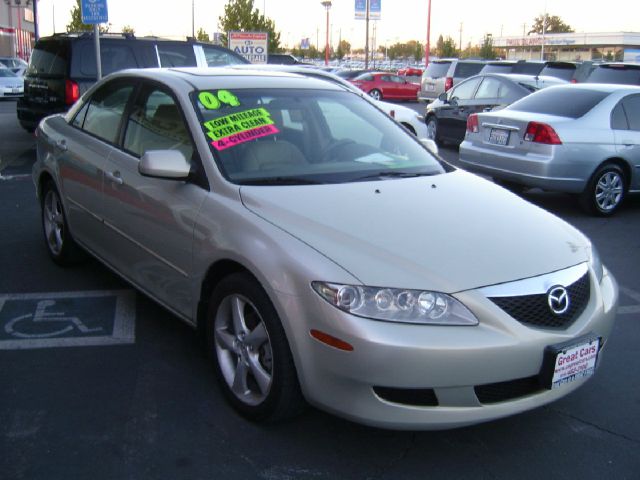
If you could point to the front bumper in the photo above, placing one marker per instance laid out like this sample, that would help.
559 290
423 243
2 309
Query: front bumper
452 362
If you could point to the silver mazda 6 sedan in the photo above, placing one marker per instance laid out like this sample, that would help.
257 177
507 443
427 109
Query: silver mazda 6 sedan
324 252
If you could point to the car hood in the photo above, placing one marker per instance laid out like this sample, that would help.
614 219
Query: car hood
449 233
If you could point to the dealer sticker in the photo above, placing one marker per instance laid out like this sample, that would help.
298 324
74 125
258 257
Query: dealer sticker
575 362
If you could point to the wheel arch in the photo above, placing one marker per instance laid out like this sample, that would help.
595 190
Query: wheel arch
620 162
215 274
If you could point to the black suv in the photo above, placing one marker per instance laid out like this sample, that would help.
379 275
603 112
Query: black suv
62 67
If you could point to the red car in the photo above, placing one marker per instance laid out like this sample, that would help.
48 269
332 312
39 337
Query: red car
410 72
386 85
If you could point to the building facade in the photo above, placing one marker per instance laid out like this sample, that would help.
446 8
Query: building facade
616 46
17 28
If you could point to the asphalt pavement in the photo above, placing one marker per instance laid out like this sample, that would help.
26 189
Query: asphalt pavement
100 382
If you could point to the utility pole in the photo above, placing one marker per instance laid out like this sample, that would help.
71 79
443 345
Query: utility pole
460 37
427 48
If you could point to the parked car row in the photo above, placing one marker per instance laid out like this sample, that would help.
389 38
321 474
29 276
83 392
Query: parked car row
441 75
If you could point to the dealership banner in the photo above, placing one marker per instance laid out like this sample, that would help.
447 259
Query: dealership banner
375 9
251 45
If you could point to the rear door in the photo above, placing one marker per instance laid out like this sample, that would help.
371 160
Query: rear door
82 149
625 121
452 118
150 221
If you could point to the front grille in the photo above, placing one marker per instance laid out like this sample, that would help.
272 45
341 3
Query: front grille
421 397
503 391
534 309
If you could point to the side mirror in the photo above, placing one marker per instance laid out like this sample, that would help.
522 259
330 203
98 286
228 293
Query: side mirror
167 164
430 144
443 97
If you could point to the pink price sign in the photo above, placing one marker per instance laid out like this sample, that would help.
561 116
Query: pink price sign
242 137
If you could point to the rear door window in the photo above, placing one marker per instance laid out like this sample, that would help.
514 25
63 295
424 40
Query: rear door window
467 69
632 109
563 71
175 55
489 88
216 57
113 57
104 114
465 90
563 102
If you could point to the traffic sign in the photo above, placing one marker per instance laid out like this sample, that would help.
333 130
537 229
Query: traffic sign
94 11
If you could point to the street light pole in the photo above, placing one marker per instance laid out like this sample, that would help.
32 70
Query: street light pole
366 42
427 48
327 5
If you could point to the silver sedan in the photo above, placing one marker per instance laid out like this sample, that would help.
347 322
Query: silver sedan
582 139
323 251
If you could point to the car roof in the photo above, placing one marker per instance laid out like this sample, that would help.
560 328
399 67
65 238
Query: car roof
219 77
521 77
601 87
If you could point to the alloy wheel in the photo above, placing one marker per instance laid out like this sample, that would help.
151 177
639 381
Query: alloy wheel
53 222
243 349
609 191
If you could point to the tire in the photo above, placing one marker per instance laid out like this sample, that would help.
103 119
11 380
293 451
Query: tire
250 352
375 94
410 128
605 191
432 130
61 246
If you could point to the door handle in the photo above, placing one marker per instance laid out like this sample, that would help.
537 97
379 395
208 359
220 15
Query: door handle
62 145
115 177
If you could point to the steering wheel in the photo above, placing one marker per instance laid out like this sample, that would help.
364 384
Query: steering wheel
329 150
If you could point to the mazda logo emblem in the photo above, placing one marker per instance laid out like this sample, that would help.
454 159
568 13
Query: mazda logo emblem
558 299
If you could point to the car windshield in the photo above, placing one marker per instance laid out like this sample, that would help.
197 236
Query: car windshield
277 136
620 74
563 102
5 72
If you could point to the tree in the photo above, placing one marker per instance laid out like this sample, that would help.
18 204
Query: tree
128 29
486 49
554 25
76 25
240 16
344 48
202 36
470 51
446 47
418 51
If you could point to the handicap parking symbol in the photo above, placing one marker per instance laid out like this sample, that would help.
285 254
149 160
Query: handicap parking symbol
66 319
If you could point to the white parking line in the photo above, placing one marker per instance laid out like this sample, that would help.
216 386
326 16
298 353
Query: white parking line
629 309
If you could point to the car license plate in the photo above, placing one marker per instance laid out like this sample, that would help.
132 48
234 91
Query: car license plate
564 363
499 137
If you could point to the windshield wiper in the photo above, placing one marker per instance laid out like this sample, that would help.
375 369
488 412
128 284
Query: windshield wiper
395 174
280 181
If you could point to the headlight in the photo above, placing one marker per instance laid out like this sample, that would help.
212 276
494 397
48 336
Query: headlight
596 263
396 305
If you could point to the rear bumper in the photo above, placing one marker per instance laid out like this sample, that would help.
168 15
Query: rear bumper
552 168
30 114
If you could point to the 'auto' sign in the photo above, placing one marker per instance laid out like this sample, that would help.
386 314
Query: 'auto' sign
251 45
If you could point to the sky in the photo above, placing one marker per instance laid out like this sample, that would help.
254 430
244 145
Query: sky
401 20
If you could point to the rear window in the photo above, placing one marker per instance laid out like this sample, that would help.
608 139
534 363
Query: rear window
50 58
465 69
176 55
528 68
620 74
437 69
563 102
